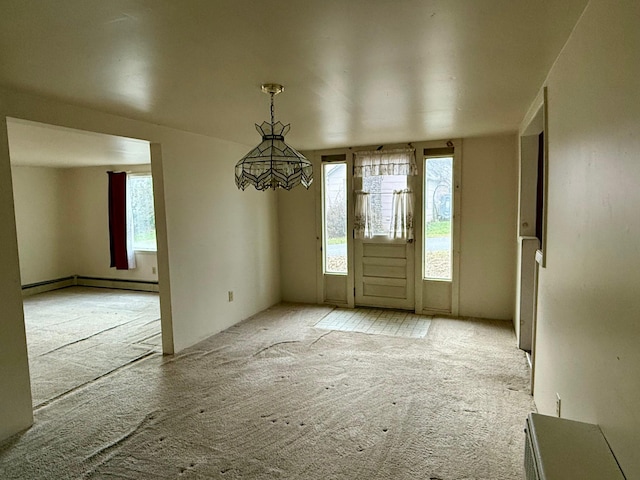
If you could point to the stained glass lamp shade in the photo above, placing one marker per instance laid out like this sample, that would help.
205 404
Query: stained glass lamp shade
273 164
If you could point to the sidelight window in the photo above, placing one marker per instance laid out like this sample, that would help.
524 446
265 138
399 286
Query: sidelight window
335 217
438 217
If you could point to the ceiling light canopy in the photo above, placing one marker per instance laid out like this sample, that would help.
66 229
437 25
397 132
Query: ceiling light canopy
273 164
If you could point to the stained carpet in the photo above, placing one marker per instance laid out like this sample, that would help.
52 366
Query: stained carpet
274 397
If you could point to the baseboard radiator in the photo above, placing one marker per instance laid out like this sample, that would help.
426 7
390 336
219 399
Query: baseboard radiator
525 290
121 284
559 449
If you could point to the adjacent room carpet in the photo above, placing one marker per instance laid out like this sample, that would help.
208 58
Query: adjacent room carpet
78 334
274 397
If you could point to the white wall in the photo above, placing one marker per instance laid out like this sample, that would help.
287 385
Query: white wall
45 239
15 389
218 238
588 320
488 226
488 220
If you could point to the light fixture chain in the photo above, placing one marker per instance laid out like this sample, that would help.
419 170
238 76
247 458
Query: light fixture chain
272 110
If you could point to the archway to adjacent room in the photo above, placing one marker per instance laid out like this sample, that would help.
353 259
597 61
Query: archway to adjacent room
532 216
83 318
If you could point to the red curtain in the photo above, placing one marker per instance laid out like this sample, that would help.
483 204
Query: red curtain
118 220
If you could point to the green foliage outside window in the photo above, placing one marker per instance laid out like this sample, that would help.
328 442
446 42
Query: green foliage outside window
144 221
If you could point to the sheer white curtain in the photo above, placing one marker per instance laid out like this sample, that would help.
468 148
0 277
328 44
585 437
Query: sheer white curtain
402 215
400 161
362 220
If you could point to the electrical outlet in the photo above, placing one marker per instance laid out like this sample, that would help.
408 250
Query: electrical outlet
154 270
558 405
230 295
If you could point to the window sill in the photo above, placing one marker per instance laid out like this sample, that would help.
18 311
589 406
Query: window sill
144 252
448 280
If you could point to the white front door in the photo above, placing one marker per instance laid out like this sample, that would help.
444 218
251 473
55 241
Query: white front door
384 273
384 267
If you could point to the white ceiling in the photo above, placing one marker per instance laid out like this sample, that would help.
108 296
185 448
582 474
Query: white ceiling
36 144
356 72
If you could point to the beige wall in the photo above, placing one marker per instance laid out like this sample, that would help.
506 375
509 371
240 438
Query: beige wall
45 238
588 327
488 226
297 234
218 238
62 218
15 389
488 219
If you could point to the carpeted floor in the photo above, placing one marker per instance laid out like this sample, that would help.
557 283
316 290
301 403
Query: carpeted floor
274 397
76 335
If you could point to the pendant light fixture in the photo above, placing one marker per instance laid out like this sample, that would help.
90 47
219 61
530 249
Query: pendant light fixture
273 164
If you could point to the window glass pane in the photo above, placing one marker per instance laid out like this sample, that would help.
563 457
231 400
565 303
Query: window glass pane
335 217
380 190
144 222
438 216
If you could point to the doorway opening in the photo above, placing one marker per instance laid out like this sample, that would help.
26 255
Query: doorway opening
532 221
389 237
83 319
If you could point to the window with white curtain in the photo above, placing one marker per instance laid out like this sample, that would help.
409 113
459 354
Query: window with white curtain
385 200
381 190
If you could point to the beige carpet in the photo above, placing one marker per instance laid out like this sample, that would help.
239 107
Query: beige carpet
274 397
76 335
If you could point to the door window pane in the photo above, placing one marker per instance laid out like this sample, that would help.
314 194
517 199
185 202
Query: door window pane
380 190
438 217
335 218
